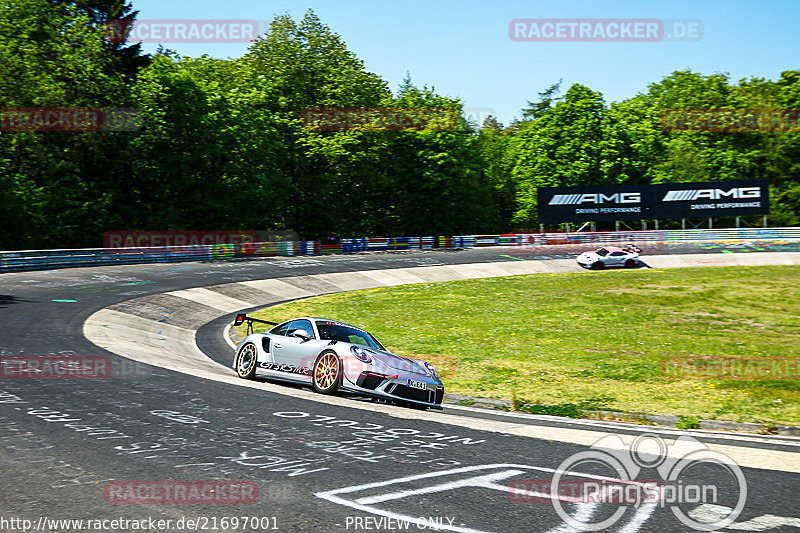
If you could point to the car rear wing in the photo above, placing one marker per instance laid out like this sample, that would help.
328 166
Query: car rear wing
241 318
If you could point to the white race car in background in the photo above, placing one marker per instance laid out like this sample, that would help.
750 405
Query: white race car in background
607 256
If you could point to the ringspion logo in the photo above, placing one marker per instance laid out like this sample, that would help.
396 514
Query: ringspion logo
675 465
586 490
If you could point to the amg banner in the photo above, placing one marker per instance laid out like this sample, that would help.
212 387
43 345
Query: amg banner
583 204
663 201
712 199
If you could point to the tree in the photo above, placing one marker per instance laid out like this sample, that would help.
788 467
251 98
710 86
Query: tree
209 146
307 65
547 99
493 143
113 16
57 186
562 147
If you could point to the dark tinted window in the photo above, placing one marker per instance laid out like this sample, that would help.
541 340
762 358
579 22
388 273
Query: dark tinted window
331 331
618 253
602 252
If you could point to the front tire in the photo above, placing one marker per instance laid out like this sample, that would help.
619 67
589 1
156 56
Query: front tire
327 373
246 361
597 265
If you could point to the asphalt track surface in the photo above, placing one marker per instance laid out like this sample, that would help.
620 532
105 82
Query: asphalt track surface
317 467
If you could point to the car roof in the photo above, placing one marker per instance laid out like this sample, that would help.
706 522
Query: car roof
317 318
612 248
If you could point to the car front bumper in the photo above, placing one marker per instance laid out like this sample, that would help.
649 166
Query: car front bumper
398 389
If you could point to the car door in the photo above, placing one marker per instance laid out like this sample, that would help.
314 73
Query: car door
293 351
267 361
616 258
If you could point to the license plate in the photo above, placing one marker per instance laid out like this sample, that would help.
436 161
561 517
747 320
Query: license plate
416 384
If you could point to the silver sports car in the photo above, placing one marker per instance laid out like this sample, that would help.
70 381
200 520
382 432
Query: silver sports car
627 256
332 356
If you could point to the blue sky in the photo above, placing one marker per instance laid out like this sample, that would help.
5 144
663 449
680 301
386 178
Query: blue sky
463 49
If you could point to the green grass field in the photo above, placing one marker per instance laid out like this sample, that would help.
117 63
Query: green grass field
593 340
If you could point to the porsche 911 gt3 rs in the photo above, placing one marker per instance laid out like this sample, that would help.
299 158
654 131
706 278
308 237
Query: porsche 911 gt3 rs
332 356
627 256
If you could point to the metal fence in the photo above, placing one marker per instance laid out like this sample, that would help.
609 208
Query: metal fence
50 259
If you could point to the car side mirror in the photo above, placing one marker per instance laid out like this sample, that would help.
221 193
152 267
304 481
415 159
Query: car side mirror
301 333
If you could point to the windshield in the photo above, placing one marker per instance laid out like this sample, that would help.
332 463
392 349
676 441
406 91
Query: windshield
602 252
331 331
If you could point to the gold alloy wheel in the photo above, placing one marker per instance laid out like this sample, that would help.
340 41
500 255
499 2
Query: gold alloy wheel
327 370
245 367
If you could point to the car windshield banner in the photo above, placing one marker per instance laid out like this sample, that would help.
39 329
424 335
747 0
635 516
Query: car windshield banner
712 199
649 202
583 204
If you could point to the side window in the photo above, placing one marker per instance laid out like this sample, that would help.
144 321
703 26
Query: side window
281 329
617 254
300 324
326 333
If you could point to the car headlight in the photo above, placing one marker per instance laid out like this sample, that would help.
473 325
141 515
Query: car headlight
431 369
361 354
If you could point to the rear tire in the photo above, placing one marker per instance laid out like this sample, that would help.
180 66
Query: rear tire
630 263
326 373
246 361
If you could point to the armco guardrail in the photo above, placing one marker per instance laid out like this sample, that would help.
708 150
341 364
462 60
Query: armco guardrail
47 259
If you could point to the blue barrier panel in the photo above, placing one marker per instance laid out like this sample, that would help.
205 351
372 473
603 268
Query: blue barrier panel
308 248
354 245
